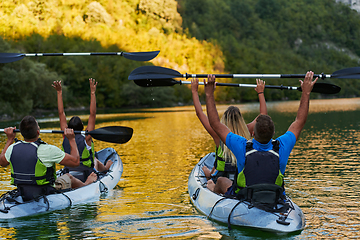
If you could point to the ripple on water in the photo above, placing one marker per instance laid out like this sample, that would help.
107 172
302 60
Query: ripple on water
160 227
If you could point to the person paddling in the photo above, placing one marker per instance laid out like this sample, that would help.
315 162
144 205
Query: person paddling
33 161
88 162
225 161
261 160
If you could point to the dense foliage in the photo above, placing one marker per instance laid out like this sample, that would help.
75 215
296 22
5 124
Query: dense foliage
202 36
279 36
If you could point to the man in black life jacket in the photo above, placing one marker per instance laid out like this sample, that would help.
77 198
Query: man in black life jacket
262 160
33 161
88 162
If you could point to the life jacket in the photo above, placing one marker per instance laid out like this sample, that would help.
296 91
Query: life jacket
86 157
221 163
260 167
27 168
224 167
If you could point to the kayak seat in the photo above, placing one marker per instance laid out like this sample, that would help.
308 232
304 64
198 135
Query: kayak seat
264 196
33 192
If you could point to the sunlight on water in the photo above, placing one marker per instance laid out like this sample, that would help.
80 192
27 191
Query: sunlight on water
151 199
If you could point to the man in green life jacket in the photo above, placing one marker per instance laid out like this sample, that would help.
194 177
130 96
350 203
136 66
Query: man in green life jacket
32 161
262 160
88 162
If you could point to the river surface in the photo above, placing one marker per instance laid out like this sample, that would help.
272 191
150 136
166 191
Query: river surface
151 199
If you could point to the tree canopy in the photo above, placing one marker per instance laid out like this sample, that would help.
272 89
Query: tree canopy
203 36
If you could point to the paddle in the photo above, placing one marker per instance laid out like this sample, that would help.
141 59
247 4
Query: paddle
156 72
325 88
112 134
137 56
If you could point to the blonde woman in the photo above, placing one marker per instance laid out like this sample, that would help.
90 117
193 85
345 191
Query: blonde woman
225 161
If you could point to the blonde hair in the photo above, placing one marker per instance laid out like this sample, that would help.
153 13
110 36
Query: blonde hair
233 119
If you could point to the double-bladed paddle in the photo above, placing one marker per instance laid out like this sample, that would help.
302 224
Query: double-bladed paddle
325 88
112 134
147 77
137 56
156 72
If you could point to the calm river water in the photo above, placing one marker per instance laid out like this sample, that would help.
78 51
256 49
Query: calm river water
151 199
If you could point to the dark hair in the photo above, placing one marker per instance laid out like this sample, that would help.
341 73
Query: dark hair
28 127
264 128
76 124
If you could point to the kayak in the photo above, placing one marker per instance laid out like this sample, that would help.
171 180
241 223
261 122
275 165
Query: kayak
12 206
240 213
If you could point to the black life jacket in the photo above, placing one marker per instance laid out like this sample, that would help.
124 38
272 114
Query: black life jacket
260 167
32 178
27 168
86 157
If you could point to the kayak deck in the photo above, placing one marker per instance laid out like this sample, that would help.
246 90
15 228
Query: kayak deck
236 212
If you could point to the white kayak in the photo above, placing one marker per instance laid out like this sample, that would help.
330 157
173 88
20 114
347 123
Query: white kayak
239 213
11 207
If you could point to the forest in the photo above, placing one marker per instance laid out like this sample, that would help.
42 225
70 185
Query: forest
203 36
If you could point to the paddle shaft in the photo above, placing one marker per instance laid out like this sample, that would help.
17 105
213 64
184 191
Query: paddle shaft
247 85
72 54
137 56
322 76
112 134
157 73
50 131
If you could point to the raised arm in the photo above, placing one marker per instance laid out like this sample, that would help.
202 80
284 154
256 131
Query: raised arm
199 112
260 88
92 117
306 86
221 129
62 116
72 159
10 139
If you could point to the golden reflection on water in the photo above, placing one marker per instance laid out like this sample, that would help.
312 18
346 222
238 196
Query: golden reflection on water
318 105
151 199
323 171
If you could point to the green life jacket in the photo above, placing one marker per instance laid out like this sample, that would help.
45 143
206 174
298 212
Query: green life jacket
260 167
27 168
86 157
220 163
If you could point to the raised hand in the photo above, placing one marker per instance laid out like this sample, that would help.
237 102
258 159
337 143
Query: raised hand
260 86
93 85
308 83
57 85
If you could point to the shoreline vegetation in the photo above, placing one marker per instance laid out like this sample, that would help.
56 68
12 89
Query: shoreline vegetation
261 36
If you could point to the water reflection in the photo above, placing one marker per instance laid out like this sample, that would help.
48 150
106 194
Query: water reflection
151 199
59 224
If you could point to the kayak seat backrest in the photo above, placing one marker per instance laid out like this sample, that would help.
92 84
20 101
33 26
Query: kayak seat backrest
263 193
265 197
30 192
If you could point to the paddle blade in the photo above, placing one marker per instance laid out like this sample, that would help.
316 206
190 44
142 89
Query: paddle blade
325 88
11 57
353 72
153 72
157 82
113 134
141 56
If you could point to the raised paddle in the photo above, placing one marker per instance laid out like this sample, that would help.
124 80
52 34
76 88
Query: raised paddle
156 72
137 56
112 134
325 88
